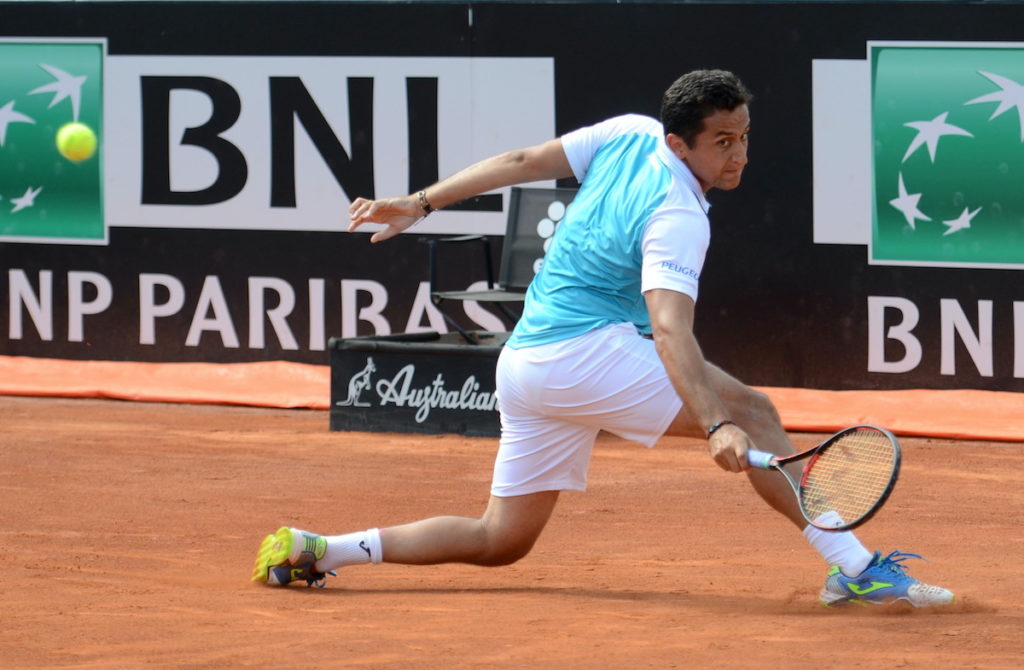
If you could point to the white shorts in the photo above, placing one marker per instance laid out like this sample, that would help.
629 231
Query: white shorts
554 398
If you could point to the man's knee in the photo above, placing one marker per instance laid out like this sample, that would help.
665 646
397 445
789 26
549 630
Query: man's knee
759 408
505 553
512 525
505 546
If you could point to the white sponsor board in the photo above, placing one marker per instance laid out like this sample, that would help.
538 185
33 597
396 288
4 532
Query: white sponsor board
484 106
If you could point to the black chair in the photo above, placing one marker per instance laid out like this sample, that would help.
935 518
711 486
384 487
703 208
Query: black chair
533 214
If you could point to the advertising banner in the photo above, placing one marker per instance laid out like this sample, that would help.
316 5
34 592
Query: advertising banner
46 85
876 241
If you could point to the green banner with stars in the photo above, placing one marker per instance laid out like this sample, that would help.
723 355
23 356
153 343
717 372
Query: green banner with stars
948 154
44 195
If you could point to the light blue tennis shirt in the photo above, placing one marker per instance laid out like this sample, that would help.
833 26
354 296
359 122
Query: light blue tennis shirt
638 222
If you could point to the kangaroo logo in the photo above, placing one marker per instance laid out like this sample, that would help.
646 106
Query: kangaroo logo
359 383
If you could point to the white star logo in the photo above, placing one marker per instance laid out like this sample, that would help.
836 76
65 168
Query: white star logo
961 222
26 200
1011 95
907 204
66 86
929 132
8 115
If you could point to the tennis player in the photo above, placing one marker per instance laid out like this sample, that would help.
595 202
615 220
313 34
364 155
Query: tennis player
605 343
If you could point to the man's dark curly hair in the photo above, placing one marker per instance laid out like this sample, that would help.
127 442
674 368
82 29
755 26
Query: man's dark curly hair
696 96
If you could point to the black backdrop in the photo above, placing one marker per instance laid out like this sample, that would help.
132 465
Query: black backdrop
775 309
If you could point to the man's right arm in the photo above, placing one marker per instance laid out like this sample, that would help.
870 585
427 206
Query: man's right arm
672 325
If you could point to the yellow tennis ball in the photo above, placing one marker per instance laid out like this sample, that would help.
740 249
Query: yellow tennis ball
76 141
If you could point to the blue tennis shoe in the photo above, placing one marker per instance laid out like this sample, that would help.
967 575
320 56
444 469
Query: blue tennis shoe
883 582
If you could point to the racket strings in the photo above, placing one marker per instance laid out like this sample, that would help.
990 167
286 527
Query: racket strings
850 476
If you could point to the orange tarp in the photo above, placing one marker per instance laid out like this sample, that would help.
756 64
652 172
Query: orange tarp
269 384
965 414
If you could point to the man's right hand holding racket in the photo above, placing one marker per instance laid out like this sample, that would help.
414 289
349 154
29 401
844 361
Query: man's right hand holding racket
728 445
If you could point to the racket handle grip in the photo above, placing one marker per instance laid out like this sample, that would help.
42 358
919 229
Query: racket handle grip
760 459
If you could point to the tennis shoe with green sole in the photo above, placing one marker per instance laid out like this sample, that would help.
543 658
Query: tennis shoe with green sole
883 582
290 555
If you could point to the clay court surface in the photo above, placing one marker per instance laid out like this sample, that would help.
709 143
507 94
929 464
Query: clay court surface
128 532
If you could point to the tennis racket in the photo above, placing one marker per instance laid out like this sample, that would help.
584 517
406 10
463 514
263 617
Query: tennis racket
846 479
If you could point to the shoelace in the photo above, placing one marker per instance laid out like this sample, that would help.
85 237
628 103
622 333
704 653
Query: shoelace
319 579
894 561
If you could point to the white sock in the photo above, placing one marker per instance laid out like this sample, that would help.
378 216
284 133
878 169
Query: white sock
351 549
838 548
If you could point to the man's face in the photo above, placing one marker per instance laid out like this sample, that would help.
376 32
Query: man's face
719 153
